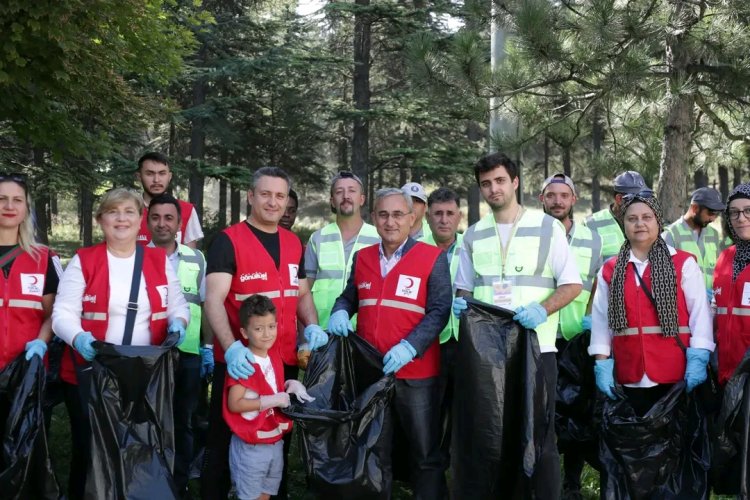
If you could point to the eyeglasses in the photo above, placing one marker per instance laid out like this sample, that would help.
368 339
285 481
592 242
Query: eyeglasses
646 193
735 214
397 216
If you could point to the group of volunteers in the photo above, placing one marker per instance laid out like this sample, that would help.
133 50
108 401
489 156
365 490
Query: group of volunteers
657 299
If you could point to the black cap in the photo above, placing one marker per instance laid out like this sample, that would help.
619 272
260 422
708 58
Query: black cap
709 198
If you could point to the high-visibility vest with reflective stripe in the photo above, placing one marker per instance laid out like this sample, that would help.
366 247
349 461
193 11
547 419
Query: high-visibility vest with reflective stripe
270 425
706 250
586 245
256 273
186 211
451 329
95 304
527 263
641 347
426 231
390 307
604 224
190 272
732 317
21 311
333 270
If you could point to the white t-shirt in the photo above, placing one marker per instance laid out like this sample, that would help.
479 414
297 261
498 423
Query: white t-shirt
193 229
267 369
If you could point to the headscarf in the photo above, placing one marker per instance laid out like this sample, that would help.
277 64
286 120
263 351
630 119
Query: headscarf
742 256
663 275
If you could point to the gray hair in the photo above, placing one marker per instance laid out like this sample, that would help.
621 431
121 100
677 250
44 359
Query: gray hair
115 197
271 172
386 192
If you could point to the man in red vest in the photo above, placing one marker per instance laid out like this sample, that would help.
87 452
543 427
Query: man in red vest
401 291
154 175
255 256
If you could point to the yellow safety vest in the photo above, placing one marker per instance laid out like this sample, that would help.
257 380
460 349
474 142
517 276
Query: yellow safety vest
706 250
451 329
604 224
587 248
190 272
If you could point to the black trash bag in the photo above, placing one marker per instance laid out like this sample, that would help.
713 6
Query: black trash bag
25 463
53 393
663 454
730 467
346 432
578 405
132 426
498 367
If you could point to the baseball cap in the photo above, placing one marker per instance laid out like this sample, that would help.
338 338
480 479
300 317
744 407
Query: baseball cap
415 190
345 174
629 181
709 198
559 179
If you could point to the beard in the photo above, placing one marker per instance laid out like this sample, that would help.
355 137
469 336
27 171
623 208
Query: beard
568 215
699 221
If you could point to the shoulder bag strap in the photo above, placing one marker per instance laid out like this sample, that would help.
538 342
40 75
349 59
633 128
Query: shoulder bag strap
650 296
135 286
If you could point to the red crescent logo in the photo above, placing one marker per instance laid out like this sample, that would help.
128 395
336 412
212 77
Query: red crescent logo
411 282
36 280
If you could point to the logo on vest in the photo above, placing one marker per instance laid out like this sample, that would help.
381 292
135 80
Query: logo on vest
717 291
142 237
365 285
253 276
89 298
32 284
408 286
293 271
163 294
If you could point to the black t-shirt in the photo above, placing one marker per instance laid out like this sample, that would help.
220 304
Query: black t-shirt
51 281
220 257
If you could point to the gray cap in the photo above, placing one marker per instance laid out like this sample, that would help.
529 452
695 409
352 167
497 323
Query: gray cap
559 179
629 181
709 198
415 190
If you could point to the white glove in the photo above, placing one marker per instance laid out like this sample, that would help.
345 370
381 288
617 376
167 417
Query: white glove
278 400
295 387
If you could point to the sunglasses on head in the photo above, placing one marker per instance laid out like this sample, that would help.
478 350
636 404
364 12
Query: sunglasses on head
16 177
646 193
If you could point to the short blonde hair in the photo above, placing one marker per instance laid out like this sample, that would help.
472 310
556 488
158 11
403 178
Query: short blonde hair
118 196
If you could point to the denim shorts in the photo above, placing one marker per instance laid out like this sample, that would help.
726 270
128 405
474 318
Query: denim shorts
255 468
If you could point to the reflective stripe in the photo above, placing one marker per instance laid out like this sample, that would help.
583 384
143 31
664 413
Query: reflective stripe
291 293
537 281
368 302
329 238
649 330
736 311
271 295
588 284
488 232
159 315
544 245
330 274
94 316
368 240
1 302
192 298
403 305
721 310
273 433
26 304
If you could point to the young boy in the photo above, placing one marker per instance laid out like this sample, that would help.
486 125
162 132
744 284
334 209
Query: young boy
256 457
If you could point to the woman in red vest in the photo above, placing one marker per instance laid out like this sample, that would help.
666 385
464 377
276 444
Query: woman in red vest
732 285
94 301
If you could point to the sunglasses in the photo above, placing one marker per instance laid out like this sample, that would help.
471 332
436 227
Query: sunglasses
16 177
646 193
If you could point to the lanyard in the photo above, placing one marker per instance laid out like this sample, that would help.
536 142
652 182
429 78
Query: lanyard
504 249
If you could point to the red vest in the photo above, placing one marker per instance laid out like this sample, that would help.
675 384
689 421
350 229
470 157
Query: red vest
95 300
390 307
642 348
22 314
270 425
186 210
256 273
732 317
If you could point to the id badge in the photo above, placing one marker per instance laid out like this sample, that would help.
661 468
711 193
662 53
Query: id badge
502 293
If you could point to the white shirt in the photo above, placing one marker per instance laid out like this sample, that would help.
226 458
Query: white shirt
388 263
193 229
694 289
66 313
267 369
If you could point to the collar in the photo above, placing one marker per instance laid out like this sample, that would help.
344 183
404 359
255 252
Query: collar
398 253
177 252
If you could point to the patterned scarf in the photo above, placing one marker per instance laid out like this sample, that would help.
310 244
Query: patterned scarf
663 275
742 257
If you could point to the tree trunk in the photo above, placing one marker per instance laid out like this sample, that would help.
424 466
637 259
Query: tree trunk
222 220
546 155
198 143
473 200
361 91
737 176
597 137
566 160
723 182
675 156
700 179
402 172
41 197
87 210
234 202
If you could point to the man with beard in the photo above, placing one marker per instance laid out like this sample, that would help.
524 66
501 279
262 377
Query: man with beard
519 259
558 198
328 256
693 233
154 175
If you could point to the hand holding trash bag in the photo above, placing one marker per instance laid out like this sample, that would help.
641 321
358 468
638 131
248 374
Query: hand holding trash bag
605 379
531 315
207 361
398 356
459 305
239 361
35 347
315 337
695 371
278 400
178 327
84 344
295 387
338 323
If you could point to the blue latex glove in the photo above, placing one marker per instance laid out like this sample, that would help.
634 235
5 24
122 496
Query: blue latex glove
586 323
239 361
399 355
176 326
315 337
459 306
35 347
695 370
710 295
338 323
83 343
531 315
207 361
604 371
